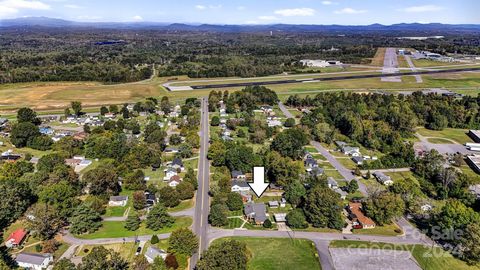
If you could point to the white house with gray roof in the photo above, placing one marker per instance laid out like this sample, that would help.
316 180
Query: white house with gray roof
154 252
34 261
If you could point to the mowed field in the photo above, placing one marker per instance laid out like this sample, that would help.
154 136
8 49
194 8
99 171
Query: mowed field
53 97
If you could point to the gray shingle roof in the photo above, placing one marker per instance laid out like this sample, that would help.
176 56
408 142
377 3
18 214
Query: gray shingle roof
257 211
153 252
32 258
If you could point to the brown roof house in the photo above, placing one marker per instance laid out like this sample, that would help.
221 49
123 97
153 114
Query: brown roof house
359 220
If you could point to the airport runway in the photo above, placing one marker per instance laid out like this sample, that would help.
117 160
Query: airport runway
390 66
337 78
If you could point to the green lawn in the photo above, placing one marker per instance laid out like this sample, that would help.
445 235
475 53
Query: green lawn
456 134
127 250
472 175
184 205
439 141
385 230
115 229
280 253
427 258
233 223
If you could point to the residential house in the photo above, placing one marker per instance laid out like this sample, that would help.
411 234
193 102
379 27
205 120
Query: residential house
169 172
3 122
177 163
16 238
238 175
72 162
343 194
358 160
359 220
280 217
310 163
246 197
351 151
174 181
34 261
9 156
240 186
274 123
150 198
382 178
255 212
154 252
118 201
316 171
46 130
332 183
340 144
266 109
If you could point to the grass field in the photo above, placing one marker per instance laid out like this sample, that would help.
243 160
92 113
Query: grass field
280 253
54 96
385 230
439 141
427 258
115 229
377 60
457 135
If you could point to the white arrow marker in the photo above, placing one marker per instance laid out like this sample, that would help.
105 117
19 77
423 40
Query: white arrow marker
258 186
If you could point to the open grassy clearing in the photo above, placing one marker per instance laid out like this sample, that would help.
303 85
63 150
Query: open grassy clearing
385 230
115 229
455 134
279 253
377 60
431 63
440 141
52 97
427 257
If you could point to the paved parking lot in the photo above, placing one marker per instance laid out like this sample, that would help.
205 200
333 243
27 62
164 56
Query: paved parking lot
365 258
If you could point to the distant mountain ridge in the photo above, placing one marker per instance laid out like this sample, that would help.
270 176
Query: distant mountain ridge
51 22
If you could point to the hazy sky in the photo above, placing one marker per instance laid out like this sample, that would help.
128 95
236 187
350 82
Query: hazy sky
250 11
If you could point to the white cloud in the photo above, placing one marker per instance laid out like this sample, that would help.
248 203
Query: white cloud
241 8
7 11
200 7
295 12
72 6
251 22
328 3
24 4
350 11
11 7
137 18
425 8
267 18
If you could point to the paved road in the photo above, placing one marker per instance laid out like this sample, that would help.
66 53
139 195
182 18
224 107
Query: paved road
418 78
346 173
215 233
388 73
324 254
202 204
441 148
285 111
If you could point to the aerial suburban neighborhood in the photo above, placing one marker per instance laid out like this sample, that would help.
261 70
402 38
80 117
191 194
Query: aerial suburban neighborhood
232 136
